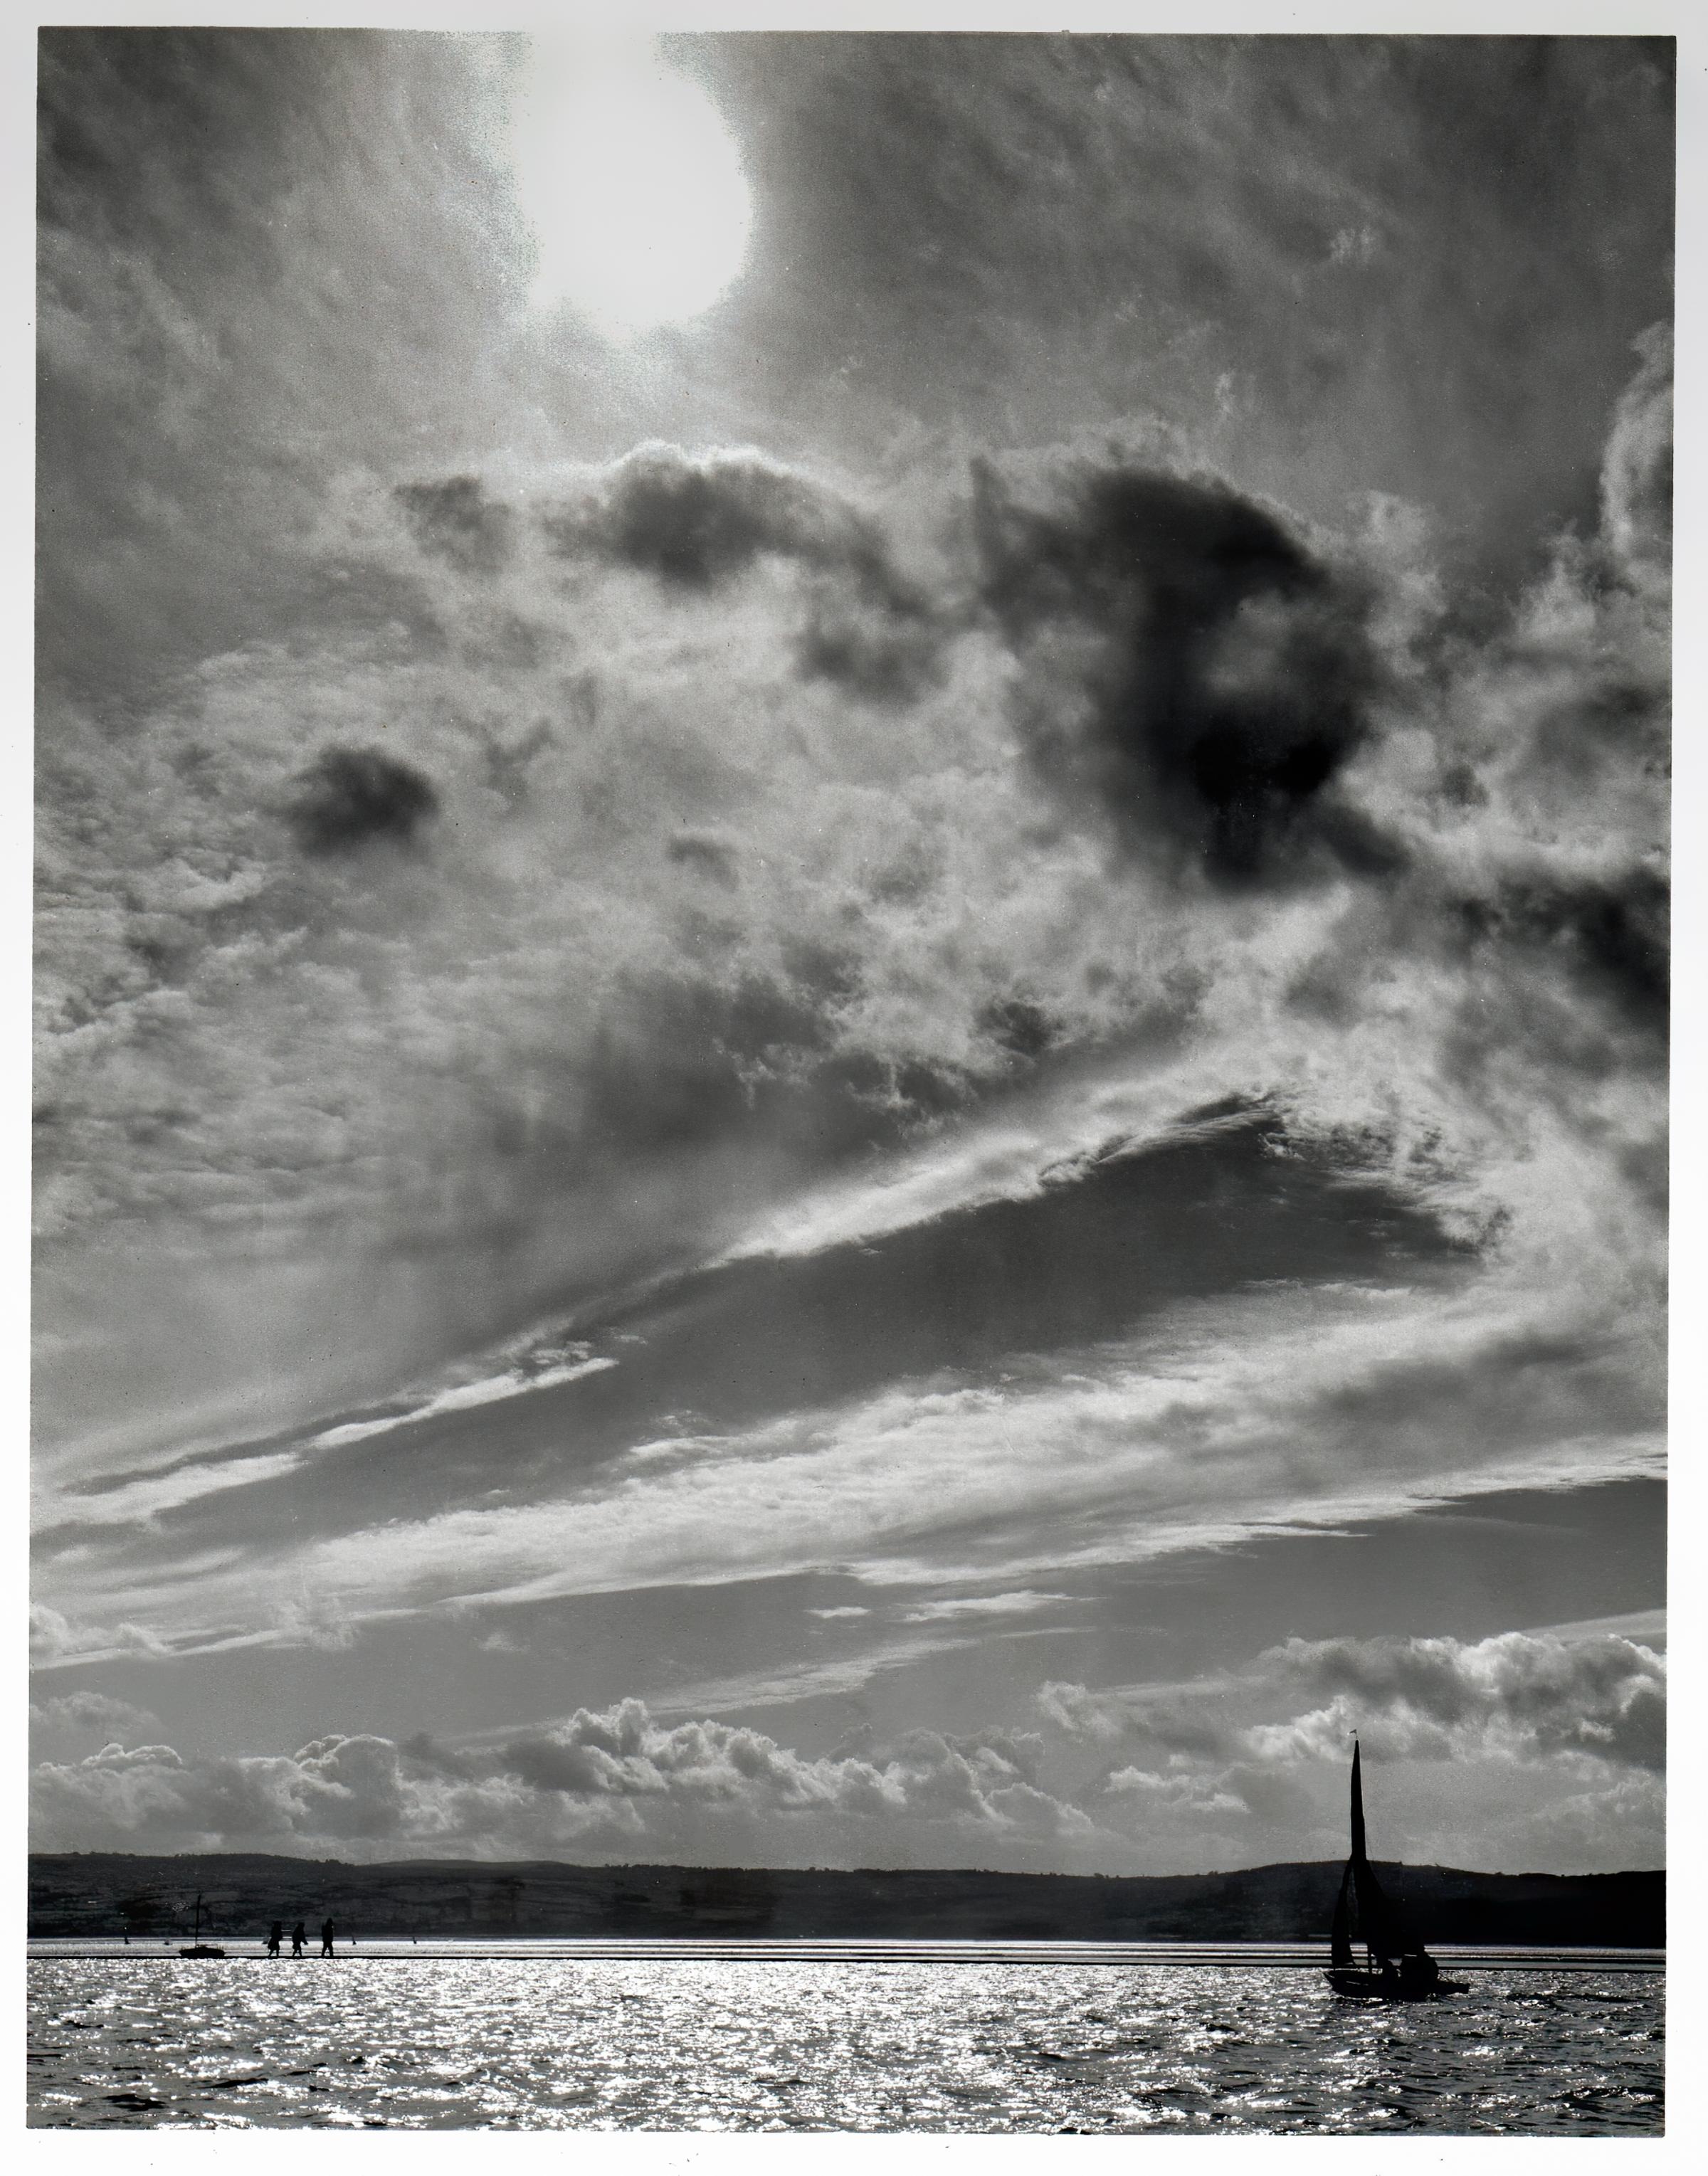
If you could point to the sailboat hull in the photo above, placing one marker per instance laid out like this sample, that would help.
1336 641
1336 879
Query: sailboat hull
1353 1980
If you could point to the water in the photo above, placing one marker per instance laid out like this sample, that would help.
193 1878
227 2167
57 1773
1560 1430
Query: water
689 2044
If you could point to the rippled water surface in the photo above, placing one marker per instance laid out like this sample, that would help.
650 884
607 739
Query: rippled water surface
686 2044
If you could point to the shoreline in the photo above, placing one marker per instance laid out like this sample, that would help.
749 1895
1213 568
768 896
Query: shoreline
753 1950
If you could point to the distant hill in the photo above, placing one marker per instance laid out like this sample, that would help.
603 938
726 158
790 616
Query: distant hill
107 1893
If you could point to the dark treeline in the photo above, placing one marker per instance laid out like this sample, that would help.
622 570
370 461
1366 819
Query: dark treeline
106 1893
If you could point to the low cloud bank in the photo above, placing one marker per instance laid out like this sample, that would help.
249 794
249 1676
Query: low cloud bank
603 1785
1523 1750
1530 1738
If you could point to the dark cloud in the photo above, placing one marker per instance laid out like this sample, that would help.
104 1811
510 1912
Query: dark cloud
457 522
711 858
879 643
1223 672
350 797
697 524
507 765
1611 936
1023 1030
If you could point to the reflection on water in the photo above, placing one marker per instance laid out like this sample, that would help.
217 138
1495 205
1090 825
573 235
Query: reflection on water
534 2044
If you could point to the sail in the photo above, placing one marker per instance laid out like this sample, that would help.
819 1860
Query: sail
1363 1913
1381 1925
1340 1933
1358 1809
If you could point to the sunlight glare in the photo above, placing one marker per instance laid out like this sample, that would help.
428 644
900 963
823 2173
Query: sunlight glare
632 183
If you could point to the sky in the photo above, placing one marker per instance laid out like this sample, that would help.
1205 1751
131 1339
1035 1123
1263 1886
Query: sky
851 912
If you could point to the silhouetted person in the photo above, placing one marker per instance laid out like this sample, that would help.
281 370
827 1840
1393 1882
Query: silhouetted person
327 1931
299 1940
275 1938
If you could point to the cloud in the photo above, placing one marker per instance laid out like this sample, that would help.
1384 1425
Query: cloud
900 908
1637 471
784 1683
1630 1810
487 1390
1354 245
206 362
697 522
87 1711
1548 1744
126 1503
1194 666
1196 1795
1611 935
832 855
1025 1603
849 1673
556 1063
1530 1695
711 858
607 1782
1275 1409
1541 1748
455 518
1646 1626
351 797
1567 1691
55 1638
49 1631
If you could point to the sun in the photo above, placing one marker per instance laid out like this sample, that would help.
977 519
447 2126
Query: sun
631 182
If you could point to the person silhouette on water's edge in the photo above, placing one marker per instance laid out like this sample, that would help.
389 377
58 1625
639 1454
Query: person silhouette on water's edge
275 1938
327 1931
299 1940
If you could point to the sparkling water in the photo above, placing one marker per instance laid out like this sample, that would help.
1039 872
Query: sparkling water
690 2043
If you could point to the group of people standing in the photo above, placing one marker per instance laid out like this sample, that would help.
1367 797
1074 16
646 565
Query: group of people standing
299 1939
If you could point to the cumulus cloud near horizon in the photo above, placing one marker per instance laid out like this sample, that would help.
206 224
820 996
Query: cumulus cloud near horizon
1549 1748
605 1784
1530 1737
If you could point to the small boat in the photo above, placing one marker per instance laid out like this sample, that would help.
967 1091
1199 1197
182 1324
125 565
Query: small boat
1397 1966
198 1947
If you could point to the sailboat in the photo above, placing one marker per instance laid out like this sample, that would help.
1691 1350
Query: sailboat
200 1947
1397 1966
